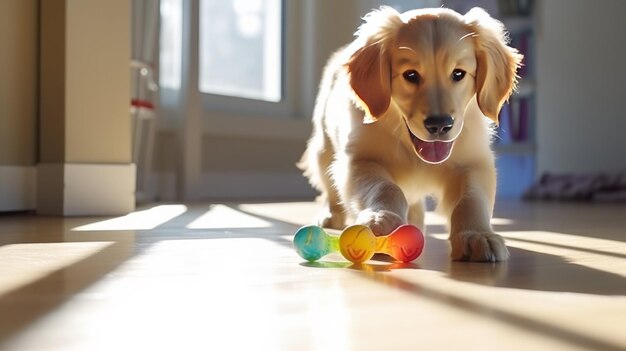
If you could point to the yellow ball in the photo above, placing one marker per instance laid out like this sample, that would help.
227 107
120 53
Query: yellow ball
357 243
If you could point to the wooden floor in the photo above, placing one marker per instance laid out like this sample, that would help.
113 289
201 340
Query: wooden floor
225 277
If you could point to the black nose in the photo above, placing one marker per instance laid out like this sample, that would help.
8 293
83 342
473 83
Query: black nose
438 125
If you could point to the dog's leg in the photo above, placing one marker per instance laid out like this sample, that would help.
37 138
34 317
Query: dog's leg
316 163
469 204
332 214
374 197
416 214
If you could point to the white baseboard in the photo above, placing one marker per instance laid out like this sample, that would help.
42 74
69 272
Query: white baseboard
17 188
85 189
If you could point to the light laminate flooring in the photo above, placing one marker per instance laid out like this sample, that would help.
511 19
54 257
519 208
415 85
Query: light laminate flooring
225 277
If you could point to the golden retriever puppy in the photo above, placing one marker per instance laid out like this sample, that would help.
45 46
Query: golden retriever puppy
404 112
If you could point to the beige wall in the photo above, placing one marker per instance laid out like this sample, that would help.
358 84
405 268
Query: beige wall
580 100
98 81
18 81
65 89
85 149
52 83
85 81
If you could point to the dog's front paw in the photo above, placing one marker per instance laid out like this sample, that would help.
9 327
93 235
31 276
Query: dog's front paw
327 219
478 247
380 222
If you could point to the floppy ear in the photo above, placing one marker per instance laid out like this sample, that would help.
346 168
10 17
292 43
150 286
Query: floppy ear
369 65
496 74
370 78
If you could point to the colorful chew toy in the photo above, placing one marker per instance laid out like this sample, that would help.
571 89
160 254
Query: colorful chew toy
358 243
312 243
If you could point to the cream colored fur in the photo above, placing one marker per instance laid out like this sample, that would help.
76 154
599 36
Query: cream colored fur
360 155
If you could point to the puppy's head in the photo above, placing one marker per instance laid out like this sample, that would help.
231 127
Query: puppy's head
428 65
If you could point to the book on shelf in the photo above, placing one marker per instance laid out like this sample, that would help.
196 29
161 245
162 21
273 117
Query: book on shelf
504 135
522 41
515 7
515 122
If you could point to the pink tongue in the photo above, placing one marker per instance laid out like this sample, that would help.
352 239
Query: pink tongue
433 152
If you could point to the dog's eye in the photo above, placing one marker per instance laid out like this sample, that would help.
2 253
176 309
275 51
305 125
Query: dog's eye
411 76
458 75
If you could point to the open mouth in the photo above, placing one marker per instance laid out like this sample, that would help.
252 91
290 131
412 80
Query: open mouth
433 152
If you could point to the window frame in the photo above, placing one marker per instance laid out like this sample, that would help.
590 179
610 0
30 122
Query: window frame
215 105
277 50
224 115
191 116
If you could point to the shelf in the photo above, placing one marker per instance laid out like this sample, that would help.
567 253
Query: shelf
521 148
525 88
518 24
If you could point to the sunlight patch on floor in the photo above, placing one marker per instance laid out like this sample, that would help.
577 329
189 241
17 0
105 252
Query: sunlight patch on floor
569 241
432 218
298 213
303 213
328 333
139 220
223 217
594 253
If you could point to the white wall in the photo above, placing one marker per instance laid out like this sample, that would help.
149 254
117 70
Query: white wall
581 59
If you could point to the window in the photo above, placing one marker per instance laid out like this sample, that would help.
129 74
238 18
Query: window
170 53
240 48
248 73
